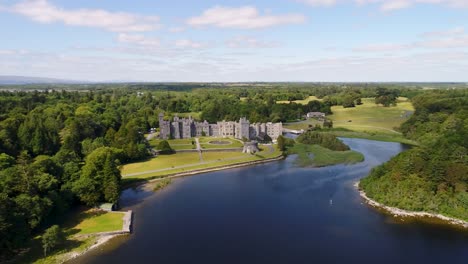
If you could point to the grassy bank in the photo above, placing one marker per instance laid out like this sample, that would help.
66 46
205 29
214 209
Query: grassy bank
78 228
372 135
184 162
317 156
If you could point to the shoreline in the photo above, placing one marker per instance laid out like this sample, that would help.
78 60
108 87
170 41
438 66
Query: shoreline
100 241
394 211
200 171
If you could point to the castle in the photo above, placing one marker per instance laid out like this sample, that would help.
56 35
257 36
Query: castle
188 127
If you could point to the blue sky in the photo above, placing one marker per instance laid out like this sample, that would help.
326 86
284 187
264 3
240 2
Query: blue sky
275 40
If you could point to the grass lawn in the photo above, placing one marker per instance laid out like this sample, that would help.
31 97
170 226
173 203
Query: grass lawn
176 144
182 162
317 156
372 117
100 222
205 143
372 135
304 102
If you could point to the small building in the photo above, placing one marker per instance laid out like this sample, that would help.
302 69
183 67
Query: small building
315 115
108 207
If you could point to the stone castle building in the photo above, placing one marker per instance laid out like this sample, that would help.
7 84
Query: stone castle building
188 127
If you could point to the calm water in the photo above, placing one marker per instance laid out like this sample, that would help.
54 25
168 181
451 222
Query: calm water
277 213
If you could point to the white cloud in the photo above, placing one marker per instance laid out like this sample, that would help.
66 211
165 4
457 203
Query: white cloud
176 29
186 43
44 12
246 17
449 39
390 5
319 2
249 42
138 39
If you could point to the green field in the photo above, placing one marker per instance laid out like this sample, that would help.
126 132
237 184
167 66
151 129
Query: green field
183 162
372 117
317 156
304 102
176 144
95 222
233 143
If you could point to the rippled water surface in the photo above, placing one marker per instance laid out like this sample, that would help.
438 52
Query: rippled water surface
277 213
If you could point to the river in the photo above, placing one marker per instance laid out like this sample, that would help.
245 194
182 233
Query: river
277 213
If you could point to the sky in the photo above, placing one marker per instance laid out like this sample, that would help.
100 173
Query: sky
236 41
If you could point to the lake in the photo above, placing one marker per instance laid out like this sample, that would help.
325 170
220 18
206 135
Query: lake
277 213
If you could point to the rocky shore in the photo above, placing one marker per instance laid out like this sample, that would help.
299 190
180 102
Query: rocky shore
406 213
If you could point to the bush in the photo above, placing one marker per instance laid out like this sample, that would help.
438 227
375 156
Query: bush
165 148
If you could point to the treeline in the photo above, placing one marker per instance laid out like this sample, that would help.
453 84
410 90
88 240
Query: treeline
60 149
434 176
325 140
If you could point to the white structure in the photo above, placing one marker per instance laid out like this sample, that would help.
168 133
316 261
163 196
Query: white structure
315 115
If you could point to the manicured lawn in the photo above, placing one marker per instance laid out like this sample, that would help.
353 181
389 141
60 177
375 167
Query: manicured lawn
304 102
176 144
205 143
183 162
162 162
372 117
100 222
317 156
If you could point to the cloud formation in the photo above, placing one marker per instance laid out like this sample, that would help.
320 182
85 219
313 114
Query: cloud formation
249 42
138 39
44 12
246 17
389 5
449 39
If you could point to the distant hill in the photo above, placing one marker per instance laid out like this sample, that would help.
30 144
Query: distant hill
12 80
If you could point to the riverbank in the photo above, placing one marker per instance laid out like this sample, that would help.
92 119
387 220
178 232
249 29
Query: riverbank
131 183
405 213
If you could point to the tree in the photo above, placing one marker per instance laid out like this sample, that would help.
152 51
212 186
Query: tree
100 177
386 97
52 238
328 123
164 147
6 161
281 143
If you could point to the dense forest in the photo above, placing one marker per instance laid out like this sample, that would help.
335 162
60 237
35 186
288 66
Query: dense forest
61 146
434 176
